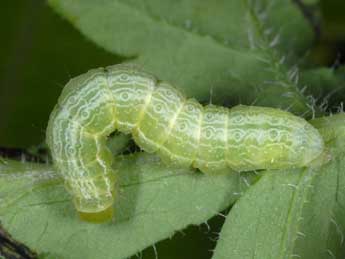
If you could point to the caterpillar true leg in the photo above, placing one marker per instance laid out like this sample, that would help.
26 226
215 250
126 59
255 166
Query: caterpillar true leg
162 120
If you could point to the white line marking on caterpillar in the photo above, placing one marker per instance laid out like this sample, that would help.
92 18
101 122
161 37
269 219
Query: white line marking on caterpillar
161 120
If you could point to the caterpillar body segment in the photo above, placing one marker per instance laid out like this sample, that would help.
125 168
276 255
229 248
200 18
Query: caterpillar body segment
162 120
76 135
267 138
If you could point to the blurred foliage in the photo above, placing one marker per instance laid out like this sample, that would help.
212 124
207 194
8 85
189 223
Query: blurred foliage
39 53
330 48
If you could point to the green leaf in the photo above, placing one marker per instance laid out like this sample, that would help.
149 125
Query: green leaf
153 202
226 48
292 214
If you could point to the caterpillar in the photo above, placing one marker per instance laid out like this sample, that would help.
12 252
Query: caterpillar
161 120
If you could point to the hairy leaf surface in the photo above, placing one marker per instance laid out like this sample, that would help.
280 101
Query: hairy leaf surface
226 51
292 214
154 202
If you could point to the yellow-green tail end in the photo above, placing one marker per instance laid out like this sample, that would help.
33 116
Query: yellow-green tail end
97 217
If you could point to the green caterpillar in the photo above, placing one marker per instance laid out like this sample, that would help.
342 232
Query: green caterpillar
161 120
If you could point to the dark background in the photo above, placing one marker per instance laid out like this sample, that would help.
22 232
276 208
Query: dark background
40 52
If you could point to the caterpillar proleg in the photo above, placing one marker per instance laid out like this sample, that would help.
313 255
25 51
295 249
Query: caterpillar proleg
161 120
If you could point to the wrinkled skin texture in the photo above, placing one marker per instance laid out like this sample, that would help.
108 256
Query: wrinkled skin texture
161 120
